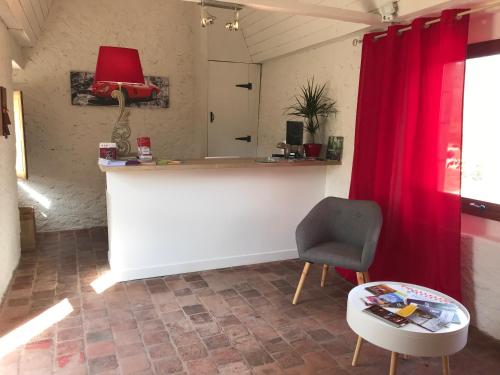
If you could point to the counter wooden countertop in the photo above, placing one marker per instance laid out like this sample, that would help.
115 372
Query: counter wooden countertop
218 163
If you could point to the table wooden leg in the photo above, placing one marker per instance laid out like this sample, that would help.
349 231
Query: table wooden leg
394 363
360 277
323 275
446 365
301 282
356 351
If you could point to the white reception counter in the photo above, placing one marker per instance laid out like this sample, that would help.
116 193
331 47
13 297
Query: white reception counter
206 214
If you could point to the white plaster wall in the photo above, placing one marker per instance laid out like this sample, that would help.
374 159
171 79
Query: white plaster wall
9 214
339 64
63 139
336 63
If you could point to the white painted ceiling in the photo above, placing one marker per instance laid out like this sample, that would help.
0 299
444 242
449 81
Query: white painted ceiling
25 19
272 34
268 34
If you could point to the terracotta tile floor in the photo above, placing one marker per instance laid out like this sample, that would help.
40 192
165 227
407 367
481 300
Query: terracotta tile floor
230 321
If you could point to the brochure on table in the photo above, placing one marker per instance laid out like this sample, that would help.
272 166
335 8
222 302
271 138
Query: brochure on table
399 305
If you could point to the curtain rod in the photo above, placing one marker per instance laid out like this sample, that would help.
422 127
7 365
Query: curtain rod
494 4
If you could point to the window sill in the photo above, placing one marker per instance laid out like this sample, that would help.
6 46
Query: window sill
482 209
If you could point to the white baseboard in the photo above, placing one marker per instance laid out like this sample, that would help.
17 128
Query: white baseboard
122 274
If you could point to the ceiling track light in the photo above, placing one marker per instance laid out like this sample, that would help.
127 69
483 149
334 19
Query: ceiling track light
206 18
234 25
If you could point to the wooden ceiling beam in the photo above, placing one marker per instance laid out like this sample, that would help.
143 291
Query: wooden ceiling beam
294 7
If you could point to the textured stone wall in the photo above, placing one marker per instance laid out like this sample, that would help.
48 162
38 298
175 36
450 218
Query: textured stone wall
62 139
9 214
480 260
338 65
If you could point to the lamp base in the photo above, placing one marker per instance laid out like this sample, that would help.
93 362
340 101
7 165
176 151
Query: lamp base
121 130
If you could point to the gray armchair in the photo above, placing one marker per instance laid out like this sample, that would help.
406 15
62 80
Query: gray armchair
339 232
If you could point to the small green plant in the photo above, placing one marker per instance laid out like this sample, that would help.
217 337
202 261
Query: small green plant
314 105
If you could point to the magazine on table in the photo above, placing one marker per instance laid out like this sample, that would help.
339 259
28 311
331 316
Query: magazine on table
388 300
421 294
434 305
432 321
386 315
436 308
406 311
380 289
418 307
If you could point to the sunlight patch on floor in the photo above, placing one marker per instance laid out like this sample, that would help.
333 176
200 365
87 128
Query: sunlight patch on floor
23 334
103 282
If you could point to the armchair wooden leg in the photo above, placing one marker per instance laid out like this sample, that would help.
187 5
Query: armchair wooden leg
301 282
356 351
446 365
394 363
323 275
362 277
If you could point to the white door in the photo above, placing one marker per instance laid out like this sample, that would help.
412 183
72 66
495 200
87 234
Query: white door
233 105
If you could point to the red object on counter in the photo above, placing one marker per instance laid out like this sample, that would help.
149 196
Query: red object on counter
144 142
144 148
312 150
107 151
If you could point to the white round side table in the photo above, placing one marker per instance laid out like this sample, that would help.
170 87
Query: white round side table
411 339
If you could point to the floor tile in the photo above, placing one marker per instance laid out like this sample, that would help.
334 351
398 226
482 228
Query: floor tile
231 321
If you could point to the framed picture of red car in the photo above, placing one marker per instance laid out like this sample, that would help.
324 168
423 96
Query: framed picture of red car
84 91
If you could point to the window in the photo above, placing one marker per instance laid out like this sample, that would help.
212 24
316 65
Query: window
21 167
481 131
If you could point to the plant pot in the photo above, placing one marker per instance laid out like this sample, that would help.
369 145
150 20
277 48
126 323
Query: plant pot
312 149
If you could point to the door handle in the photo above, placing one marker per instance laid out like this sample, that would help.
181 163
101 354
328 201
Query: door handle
479 206
212 117
248 138
248 85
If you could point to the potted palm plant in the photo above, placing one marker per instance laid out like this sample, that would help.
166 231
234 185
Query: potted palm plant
314 105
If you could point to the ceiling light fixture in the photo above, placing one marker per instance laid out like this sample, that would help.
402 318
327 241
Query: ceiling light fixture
234 25
206 18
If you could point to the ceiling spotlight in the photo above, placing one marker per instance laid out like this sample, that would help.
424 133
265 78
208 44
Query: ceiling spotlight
206 18
234 25
207 21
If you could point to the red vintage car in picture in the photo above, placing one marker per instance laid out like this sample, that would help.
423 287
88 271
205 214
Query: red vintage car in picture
154 93
132 92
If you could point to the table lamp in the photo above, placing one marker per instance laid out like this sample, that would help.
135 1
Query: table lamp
119 66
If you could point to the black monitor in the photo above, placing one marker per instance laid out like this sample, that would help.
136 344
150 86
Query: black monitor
294 133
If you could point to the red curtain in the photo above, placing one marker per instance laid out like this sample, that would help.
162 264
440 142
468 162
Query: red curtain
408 149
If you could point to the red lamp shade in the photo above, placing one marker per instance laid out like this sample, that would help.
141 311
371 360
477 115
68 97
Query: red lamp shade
118 65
